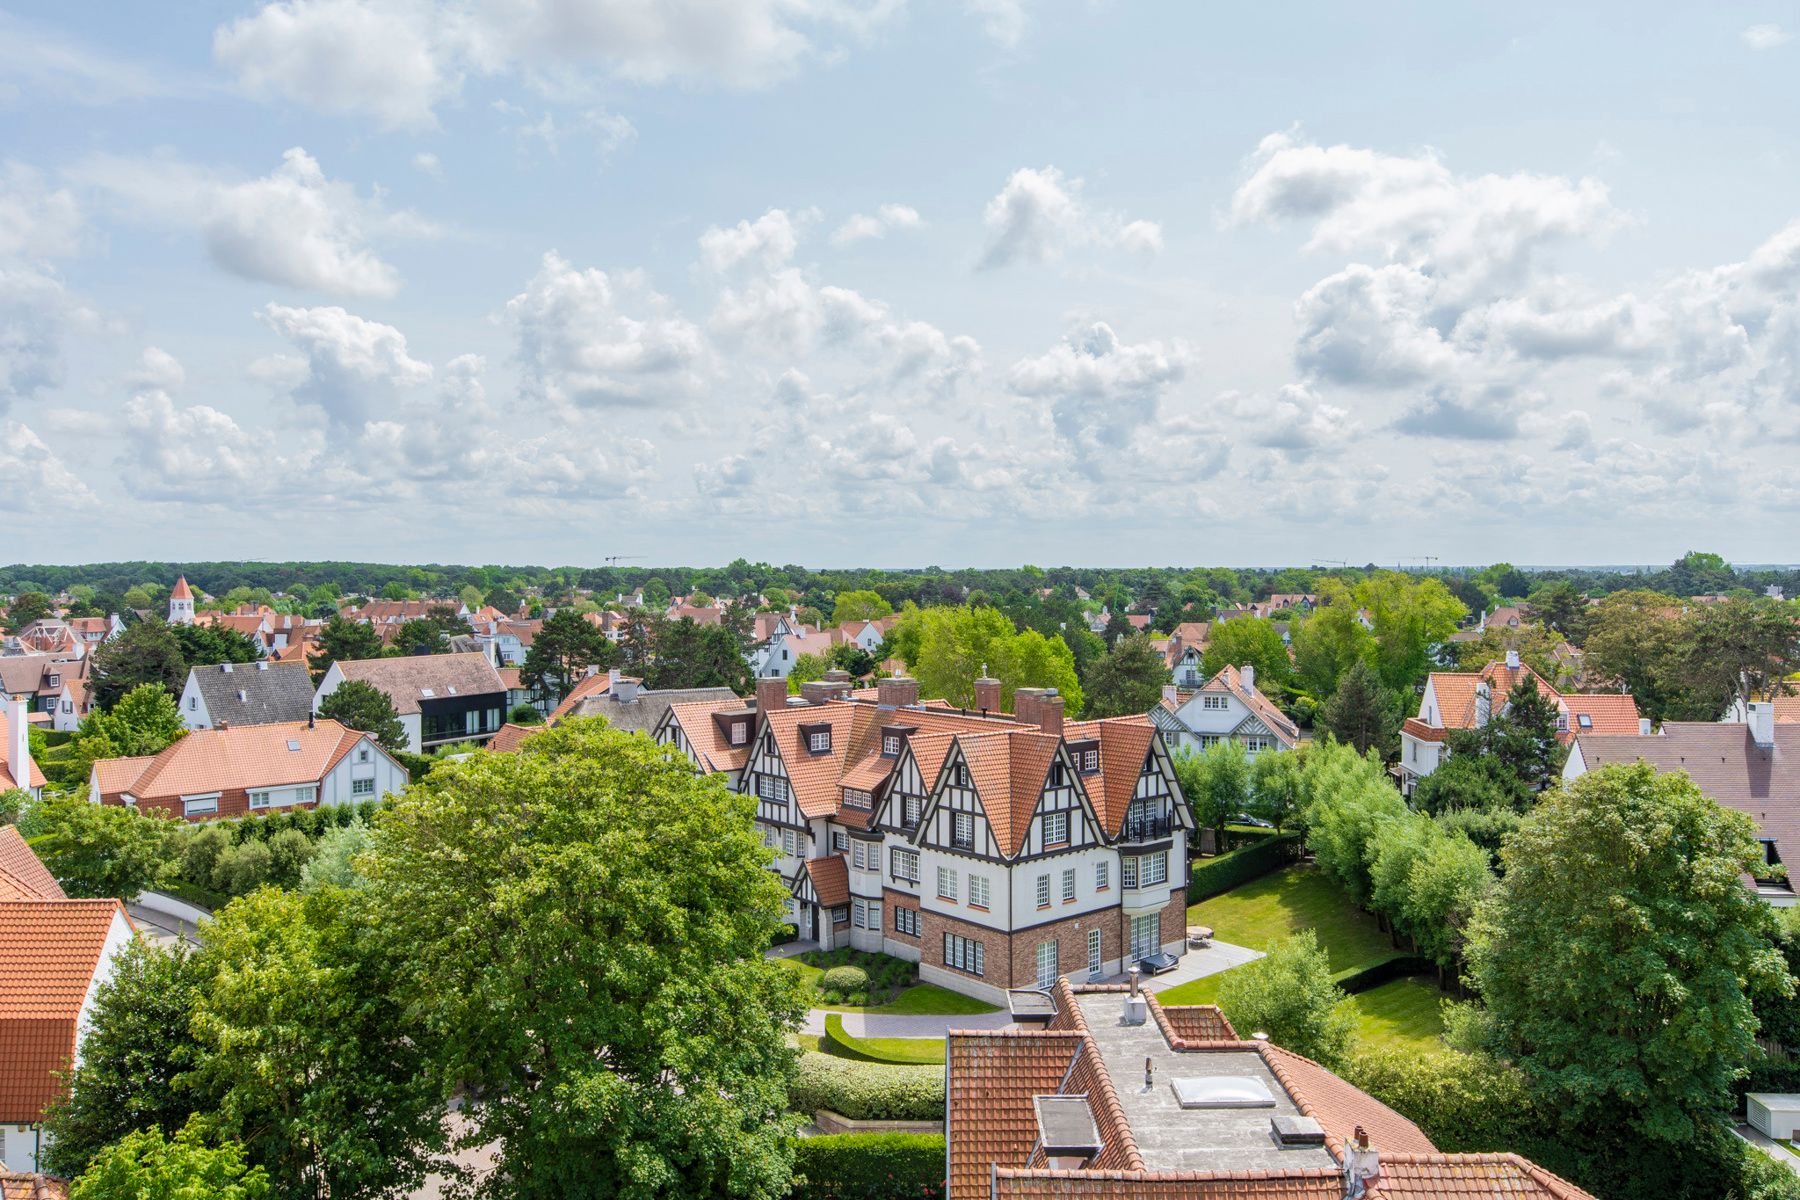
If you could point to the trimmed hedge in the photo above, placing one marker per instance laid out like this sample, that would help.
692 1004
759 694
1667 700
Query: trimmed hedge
1212 876
869 1166
865 1091
844 979
841 1044
1369 975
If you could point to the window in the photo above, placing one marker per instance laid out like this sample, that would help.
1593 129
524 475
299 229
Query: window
857 798
1153 869
305 795
362 787
964 954
1043 891
1255 745
199 806
909 810
362 755
1068 889
1215 702
259 799
1102 876
946 884
856 856
1056 775
904 864
961 775
840 841
1056 829
1046 964
788 842
1585 721
890 744
1095 962
1090 761
978 891
770 788
819 741
874 907
906 921
193 703
962 831
770 838
859 915
1128 872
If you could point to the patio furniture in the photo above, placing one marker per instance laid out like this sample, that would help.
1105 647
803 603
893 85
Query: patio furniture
1199 936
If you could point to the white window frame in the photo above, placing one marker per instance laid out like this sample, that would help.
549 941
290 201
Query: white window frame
818 741
1068 886
946 884
740 733
363 787
1043 891
1102 876
958 823
1047 965
201 805
904 864
1128 872
259 799
1153 869
979 891
859 914
1056 829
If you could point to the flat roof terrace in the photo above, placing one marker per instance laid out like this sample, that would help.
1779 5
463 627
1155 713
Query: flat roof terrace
1224 1137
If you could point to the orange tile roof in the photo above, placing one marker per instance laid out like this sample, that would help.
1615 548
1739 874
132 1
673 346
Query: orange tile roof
49 952
592 685
711 743
23 876
1610 712
15 1185
509 737
181 591
1124 744
830 879
248 756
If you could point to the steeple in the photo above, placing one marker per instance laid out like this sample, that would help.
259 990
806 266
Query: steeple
181 603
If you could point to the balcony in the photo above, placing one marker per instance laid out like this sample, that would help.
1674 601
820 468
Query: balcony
1142 830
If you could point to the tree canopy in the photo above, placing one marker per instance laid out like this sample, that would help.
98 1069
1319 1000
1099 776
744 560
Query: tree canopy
1126 679
1253 641
146 652
947 648
363 706
1361 712
144 721
147 1166
562 653
342 638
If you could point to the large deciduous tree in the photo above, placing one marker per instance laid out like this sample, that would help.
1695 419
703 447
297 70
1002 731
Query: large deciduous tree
137 1046
691 655
146 652
586 921
207 645
145 721
950 646
1615 956
100 850
1127 679
1249 641
562 653
1288 994
1633 638
25 608
1736 651
859 606
1330 640
365 707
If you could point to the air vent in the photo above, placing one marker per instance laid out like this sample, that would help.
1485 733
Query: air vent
262 666
1223 1091
225 667
243 696
1292 1130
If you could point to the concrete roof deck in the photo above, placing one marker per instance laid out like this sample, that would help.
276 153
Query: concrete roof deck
1171 1138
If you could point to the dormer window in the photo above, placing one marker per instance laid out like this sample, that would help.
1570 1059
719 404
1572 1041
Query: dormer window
1056 775
890 745
1090 760
961 775
740 732
816 738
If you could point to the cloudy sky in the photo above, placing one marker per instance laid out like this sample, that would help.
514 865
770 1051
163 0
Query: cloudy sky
898 282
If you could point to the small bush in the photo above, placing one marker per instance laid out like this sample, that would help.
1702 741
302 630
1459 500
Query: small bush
1212 876
787 933
200 857
1463 1102
869 1166
289 852
844 979
242 868
867 1091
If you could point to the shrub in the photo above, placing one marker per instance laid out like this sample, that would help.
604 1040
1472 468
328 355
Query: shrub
787 933
1382 970
868 1166
289 852
1288 994
242 869
200 857
867 1091
1212 876
844 980
1463 1102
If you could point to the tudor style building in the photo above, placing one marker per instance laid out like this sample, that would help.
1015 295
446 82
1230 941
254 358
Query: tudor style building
1228 707
996 850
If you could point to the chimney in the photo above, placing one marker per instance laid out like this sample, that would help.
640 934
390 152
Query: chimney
18 743
987 692
1025 703
624 689
771 694
613 675
1171 694
837 675
898 692
1248 674
1050 713
1512 660
1762 723
818 691
1643 726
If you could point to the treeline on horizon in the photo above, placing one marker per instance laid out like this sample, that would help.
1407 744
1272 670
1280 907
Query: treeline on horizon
1696 573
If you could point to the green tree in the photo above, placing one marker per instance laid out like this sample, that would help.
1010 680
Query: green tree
333 863
562 653
806 668
1736 651
1615 955
1523 736
1411 617
1127 679
147 1166
364 706
101 850
949 647
145 721
1700 574
1030 659
586 921
421 635
342 639
309 1055
1330 640
138 597
25 608
1252 641
13 802
504 599
1277 792
1634 638
1216 782
1361 712
1288 995
470 595
206 645
137 1046
859 606
1562 606
146 652
1470 781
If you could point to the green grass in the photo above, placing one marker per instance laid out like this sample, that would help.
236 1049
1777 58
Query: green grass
1403 1014
919 1000
1275 906
909 1051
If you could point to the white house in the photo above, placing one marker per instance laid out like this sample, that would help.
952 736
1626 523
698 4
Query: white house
440 698
1226 708
232 694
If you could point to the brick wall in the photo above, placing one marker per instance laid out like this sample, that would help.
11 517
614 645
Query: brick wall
234 803
1174 920
891 900
1070 936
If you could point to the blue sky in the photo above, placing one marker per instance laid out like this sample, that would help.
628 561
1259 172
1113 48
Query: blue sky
898 282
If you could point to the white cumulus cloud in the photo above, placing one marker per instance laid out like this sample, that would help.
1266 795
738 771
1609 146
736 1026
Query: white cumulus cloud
887 219
1039 215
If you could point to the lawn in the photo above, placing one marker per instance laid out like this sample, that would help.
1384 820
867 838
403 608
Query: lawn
887 1050
1279 904
921 999
1402 1014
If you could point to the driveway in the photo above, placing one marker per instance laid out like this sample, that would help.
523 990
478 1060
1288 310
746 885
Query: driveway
162 930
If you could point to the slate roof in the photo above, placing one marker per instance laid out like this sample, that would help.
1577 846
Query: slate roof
405 680
23 876
255 693
646 710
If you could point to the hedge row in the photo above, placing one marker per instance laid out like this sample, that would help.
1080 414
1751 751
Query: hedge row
1211 876
869 1166
865 1091
840 1044
310 821
1369 975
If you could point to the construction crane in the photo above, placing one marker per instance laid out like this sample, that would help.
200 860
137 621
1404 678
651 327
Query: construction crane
1329 562
1427 559
613 559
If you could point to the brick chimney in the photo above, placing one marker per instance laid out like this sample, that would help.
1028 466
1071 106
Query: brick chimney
900 691
987 692
1025 703
818 691
771 694
837 675
1050 713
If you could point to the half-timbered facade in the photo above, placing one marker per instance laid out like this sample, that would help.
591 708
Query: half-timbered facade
1226 708
996 850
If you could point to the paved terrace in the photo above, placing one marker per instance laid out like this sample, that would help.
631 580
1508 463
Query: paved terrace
1172 1138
